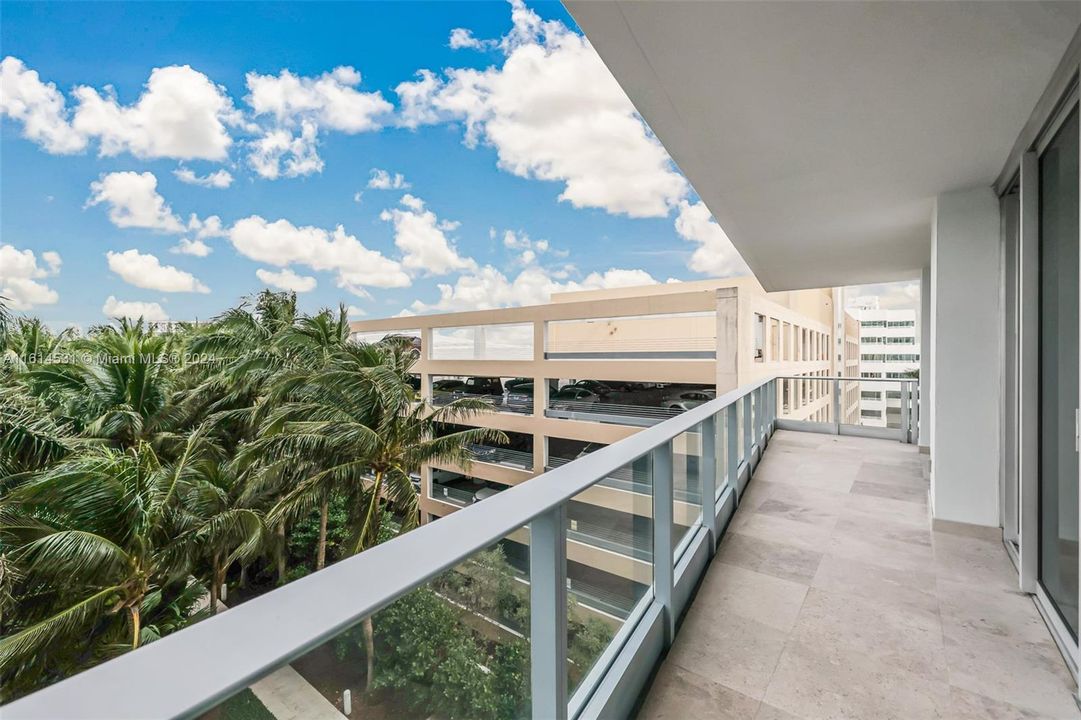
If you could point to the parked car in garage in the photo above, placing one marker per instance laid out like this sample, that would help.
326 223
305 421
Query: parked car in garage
519 398
481 386
572 396
688 399
515 382
447 385
594 386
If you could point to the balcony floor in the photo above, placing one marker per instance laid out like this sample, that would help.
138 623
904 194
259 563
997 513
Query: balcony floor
831 597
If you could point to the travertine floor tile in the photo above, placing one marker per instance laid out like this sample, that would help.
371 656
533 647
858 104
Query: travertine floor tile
767 556
679 694
734 590
831 598
740 653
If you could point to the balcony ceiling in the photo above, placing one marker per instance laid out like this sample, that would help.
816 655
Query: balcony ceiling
819 133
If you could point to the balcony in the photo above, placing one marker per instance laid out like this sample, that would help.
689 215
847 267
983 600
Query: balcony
831 597
817 591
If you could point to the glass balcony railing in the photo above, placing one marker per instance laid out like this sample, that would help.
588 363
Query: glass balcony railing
873 407
497 610
636 481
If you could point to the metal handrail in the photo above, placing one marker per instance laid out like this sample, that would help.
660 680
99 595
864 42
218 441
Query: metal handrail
907 429
213 659
502 456
651 411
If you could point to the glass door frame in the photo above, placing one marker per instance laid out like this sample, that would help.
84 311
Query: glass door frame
1025 404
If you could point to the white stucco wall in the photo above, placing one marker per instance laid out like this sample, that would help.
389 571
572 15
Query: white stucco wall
965 321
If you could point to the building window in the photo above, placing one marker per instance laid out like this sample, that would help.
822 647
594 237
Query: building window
759 338
893 394
900 341
901 323
910 375
870 395
870 375
871 339
878 357
774 339
870 413
873 323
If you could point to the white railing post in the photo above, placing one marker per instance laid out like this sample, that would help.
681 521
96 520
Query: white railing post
905 431
837 403
663 550
771 405
763 416
548 613
707 478
914 416
731 429
748 430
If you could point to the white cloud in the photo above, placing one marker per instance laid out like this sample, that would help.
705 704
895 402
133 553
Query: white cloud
281 243
488 288
886 296
715 255
297 152
196 247
530 249
329 101
20 277
354 311
217 179
462 38
146 271
149 311
180 114
286 280
39 106
420 235
208 227
358 195
554 112
134 201
383 180
52 259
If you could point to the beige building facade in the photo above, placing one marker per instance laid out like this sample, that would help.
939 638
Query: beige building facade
657 349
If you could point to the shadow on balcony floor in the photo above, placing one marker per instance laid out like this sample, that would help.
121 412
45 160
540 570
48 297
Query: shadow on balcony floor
831 597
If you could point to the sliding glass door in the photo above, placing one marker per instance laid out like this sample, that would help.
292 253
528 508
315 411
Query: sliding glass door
1058 371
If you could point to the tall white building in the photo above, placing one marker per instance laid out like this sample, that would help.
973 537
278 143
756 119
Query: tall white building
889 350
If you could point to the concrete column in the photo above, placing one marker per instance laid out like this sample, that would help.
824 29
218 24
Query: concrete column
727 339
964 378
926 405
480 342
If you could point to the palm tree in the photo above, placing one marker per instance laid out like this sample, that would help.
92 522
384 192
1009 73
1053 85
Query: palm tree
358 429
26 342
239 354
224 530
118 386
90 538
313 343
30 438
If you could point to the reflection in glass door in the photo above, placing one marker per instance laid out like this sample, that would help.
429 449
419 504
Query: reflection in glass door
1059 371
1010 215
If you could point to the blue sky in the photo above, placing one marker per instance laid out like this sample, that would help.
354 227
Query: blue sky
296 120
